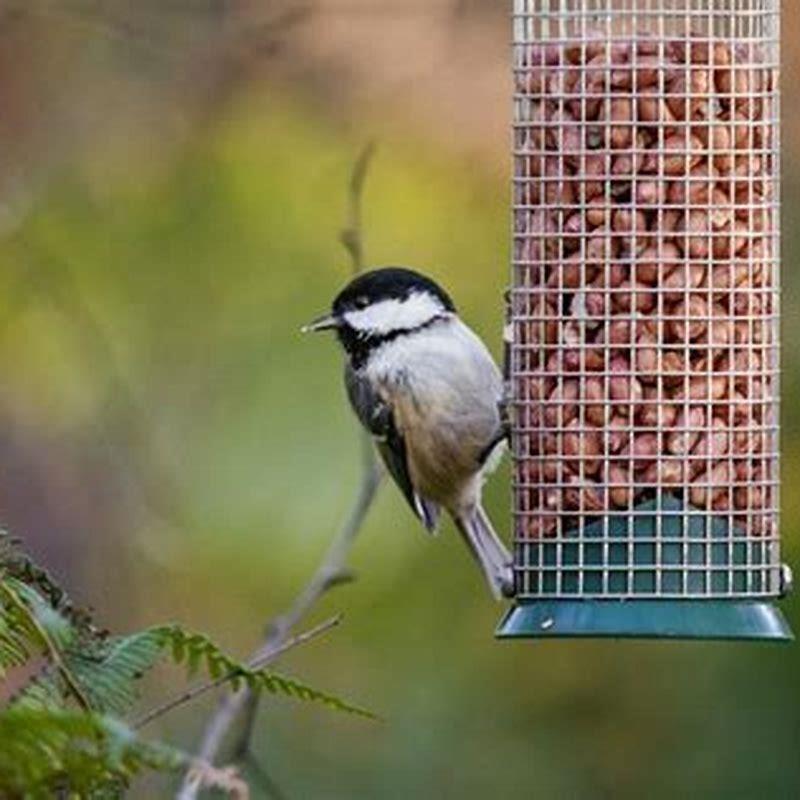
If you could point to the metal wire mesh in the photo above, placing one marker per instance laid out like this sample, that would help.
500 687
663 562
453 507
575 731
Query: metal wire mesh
645 353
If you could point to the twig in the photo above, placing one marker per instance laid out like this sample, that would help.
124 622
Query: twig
332 571
257 662
351 236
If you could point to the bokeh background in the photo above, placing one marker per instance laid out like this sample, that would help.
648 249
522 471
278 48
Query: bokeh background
172 185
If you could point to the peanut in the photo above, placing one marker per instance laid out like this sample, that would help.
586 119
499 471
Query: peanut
673 367
689 319
624 387
618 481
540 526
642 451
650 192
617 434
564 81
652 108
626 165
618 112
715 443
596 411
680 96
684 277
655 411
561 408
671 472
584 445
570 273
557 190
696 229
730 240
696 189
688 428
709 485
601 247
681 154
702 388
638 296
596 168
583 497
646 357
653 263
597 212
720 331
721 211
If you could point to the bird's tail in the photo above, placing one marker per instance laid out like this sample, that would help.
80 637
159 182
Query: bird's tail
491 554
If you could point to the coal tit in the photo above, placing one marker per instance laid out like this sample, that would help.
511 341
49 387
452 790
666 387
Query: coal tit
427 390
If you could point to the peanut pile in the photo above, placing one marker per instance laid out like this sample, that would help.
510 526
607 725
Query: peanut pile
645 354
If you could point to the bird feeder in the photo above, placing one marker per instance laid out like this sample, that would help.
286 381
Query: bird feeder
644 353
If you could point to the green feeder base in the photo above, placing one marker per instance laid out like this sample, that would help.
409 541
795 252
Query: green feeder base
646 619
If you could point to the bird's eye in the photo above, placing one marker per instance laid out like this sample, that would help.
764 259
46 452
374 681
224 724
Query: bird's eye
361 301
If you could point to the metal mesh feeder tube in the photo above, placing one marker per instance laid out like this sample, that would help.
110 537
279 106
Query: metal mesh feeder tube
644 306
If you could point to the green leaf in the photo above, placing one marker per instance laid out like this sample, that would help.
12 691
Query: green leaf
48 752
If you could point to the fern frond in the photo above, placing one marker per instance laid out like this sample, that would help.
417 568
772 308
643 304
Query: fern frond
195 649
110 676
16 647
43 627
107 678
275 683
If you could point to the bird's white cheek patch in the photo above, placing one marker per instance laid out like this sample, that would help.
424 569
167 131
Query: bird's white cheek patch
394 315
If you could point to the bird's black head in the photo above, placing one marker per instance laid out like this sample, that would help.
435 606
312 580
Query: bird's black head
394 286
382 304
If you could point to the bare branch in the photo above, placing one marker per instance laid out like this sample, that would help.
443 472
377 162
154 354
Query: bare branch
332 570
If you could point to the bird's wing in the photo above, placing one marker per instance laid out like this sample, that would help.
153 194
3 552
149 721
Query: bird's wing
377 416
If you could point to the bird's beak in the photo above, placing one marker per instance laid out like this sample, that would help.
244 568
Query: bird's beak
326 323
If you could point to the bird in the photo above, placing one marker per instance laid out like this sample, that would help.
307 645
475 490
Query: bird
429 393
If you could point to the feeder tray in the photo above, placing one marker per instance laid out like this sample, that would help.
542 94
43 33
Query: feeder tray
677 564
643 361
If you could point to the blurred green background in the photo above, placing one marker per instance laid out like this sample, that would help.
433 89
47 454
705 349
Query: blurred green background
172 188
